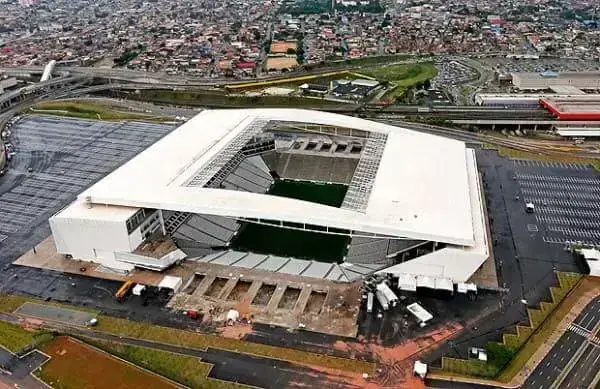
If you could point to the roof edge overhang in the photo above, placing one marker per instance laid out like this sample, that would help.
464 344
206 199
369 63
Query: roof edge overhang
252 205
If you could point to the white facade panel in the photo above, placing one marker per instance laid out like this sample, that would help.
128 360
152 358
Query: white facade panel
88 239
135 238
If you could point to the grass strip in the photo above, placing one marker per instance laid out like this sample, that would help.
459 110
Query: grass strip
15 338
128 328
519 154
134 329
9 303
89 111
543 332
286 81
402 74
184 369
220 99
401 77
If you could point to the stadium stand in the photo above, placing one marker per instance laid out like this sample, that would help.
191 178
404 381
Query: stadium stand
206 231
190 233
252 175
175 220
336 272
312 167
398 246
366 251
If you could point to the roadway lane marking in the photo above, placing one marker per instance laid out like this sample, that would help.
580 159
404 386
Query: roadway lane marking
590 322
579 330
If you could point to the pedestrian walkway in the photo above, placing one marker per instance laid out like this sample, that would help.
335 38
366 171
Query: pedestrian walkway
560 329
585 333
591 289
579 331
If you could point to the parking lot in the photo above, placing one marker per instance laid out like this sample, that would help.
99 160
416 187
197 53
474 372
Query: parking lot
566 199
55 159
526 257
507 65
454 73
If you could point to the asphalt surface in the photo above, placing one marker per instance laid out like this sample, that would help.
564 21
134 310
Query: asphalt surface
395 325
68 155
65 156
231 366
575 355
21 368
567 205
525 260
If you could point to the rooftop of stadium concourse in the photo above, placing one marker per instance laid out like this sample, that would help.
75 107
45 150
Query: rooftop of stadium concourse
418 189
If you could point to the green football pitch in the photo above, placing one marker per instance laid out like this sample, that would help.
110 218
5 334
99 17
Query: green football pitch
284 242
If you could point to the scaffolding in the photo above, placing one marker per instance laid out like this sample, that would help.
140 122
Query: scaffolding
226 161
359 190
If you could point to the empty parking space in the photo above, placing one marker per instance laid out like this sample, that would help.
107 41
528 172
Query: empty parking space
56 159
566 197
551 164
55 313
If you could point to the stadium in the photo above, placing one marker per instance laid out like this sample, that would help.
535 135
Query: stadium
294 192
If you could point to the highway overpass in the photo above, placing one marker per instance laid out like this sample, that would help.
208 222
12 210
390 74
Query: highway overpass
9 99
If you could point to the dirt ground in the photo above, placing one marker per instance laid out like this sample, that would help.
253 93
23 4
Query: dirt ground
74 365
281 63
282 47
272 298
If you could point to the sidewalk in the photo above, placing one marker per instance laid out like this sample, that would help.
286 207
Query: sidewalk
540 353
593 286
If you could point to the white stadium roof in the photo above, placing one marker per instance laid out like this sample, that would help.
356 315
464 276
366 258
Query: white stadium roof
420 191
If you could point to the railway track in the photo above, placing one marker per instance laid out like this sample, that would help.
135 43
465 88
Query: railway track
542 148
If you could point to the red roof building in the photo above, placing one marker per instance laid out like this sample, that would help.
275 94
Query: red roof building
246 65
584 107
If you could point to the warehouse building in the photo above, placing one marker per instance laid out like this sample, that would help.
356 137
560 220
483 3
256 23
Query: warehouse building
549 79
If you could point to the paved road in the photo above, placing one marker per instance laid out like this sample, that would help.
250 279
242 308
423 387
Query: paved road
575 359
21 369
525 278
228 365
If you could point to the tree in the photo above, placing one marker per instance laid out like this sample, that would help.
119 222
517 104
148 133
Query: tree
498 354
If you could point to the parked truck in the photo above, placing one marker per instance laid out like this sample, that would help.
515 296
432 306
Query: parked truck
382 300
370 298
390 296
